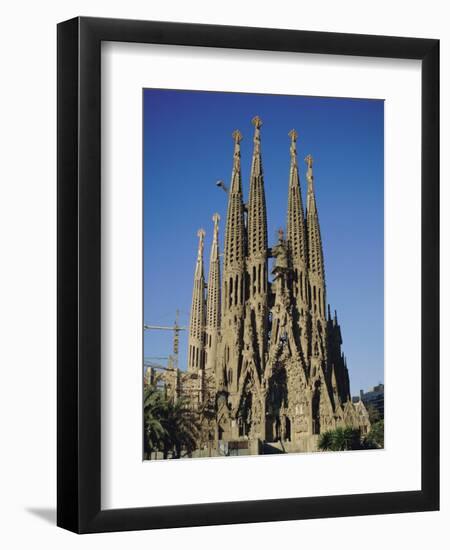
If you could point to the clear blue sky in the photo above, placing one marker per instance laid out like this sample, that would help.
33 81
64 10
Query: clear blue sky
188 147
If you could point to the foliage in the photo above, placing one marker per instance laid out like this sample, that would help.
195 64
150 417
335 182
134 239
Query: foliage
154 432
375 438
181 428
340 439
170 426
350 439
374 415
326 441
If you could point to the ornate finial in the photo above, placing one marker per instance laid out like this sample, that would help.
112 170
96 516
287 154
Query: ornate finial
216 219
309 164
237 136
235 176
293 135
201 240
257 122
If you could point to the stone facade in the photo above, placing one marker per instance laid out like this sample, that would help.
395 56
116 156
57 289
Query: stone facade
264 351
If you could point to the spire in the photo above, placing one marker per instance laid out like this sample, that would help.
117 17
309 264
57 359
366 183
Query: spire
201 244
215 244
316 264
235 231
236 185
233 289
257 218
213 303
197 321
257 276
213 300
295 227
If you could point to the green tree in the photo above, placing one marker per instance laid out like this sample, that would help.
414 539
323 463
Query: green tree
326 441
349 439
374 415
181 427
154 432
375 438
340 439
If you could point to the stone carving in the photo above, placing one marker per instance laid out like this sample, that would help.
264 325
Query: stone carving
272 354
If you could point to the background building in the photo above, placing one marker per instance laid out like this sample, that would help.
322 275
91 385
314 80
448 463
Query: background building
374 397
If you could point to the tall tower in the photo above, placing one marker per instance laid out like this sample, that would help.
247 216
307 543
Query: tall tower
198 311
277 385
233 279
316 271
213 303
297 244
257 275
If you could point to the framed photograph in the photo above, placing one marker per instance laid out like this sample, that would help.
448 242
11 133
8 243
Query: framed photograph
248 275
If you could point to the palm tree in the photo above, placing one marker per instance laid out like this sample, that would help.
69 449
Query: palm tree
154 432
325 441
350 440
340 439
181 427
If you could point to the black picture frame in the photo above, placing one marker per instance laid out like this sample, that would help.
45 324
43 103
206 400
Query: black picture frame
79 280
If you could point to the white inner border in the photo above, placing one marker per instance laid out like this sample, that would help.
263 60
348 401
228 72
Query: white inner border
127 481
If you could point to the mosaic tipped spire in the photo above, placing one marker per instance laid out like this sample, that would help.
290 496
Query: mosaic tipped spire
295 226
257 216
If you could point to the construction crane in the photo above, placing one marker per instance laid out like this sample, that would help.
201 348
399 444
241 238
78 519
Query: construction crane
176 328
221 185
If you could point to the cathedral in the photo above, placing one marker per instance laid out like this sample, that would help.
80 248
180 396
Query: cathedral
264 353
